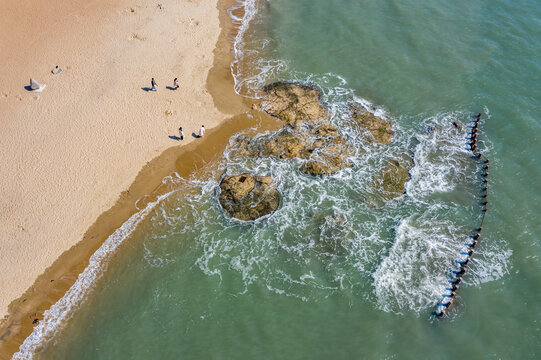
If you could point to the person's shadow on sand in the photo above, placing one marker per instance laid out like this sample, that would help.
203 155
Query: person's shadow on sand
195 135
170 88
174 137
28 88
146 88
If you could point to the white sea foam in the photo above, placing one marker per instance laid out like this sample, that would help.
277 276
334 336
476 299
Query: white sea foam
57 316
250 70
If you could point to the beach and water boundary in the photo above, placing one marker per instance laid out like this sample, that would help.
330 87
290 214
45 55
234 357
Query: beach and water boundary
502 273
149 187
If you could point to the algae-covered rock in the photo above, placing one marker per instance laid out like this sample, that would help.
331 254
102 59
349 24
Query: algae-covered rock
390 182
293 102
380 129
248 197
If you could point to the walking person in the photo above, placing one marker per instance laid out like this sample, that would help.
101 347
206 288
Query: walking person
181 133
175 84
153 83
202 131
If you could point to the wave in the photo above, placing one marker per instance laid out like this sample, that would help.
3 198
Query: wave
57 316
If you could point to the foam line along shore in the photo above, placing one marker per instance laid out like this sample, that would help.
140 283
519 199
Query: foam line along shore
96 138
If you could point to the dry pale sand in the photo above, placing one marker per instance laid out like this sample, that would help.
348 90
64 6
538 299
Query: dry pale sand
68 152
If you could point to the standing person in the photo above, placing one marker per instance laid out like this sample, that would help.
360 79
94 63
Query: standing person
175 84
153 83
202 131
181 133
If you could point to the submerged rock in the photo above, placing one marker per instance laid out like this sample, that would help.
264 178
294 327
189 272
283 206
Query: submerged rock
380 129
292 102
248 197
390 182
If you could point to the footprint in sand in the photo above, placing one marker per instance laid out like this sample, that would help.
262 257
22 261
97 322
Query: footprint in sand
19 97
169 113
130 10
194 22
137 37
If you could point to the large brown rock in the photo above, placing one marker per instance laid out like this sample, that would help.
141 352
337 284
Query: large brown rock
293 102
248 197
380 129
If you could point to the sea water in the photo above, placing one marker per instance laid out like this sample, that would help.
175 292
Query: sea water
338 271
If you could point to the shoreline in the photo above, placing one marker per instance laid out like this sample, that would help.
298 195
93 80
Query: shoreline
185 160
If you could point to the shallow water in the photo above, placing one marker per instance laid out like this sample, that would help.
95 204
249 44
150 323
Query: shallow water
337 271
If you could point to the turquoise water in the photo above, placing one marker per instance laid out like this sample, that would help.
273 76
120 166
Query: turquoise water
337 272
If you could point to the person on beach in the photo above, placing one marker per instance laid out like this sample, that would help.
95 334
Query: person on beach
181 133
457 125
175 84
478 156
487 161
56 70
153 83
472 245
202 131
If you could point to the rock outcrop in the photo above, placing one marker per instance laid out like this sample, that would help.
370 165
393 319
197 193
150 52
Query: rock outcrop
248 197
380 129
391 180
293 102
305 135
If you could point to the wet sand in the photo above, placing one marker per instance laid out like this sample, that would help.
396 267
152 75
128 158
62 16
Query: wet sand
187 160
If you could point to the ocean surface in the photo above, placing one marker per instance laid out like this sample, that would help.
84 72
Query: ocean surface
339 272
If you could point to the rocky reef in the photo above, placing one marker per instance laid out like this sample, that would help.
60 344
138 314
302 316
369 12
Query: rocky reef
306 134
248 197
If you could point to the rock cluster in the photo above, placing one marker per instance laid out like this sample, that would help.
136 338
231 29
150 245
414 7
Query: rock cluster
248 197
306 134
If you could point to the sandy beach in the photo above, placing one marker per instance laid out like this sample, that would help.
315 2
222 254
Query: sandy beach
69 152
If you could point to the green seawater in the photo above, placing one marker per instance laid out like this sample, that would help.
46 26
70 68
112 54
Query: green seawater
337 272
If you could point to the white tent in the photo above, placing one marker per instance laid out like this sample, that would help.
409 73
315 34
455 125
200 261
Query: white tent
36 86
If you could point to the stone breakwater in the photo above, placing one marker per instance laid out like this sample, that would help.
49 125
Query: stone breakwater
448 298
307 134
